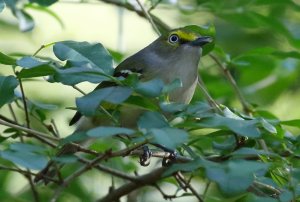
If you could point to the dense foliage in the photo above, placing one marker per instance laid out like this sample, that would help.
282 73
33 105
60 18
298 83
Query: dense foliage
229 146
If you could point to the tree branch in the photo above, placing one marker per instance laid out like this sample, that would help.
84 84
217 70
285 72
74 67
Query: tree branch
148 179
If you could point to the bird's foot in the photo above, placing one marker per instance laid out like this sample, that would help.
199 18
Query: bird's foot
169 160
145 157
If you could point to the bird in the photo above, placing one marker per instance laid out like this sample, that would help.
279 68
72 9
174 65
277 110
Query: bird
173 55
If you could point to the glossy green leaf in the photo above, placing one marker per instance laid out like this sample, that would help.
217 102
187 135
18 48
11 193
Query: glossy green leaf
7 60
25 159
234 177
241 127
77 136
89 103
7 87
250 197
152 88
169 137
102 131
75 75
172 107
84 54
37 71
187 167
23 147
150 120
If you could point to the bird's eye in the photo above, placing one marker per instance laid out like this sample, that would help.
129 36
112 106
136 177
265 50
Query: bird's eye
173 38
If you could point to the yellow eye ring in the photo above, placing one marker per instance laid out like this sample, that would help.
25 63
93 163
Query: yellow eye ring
173 38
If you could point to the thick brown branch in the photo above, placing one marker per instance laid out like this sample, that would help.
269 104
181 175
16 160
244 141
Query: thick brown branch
148 179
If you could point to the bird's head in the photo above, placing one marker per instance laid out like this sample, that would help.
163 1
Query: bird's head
187 39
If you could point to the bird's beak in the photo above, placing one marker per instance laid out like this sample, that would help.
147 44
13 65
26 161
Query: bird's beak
201 41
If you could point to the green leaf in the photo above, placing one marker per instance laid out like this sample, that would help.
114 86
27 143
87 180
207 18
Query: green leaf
75 75
84 54
2 5
152 88
172 86
7 60
43 2
172 107
25 159
43 106
169 137
295 123
246 151
78 136
268 126
41 70
103 131
234 177
66 159
7 87
241 127
23 147
28 62
89 103
150 120
187 167
250 197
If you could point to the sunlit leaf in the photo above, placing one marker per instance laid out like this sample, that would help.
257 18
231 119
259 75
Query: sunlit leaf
84 54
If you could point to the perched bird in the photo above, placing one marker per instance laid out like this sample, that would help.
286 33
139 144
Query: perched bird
174 55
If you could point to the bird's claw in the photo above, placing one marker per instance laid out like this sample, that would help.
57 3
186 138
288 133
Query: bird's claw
145 157
168 160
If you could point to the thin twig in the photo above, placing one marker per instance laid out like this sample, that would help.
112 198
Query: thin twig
149 18
208 97
189 186
79 90
28 130
13 114
231 80
143 180
108 154
236 89
55 129
24 104
42 47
